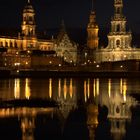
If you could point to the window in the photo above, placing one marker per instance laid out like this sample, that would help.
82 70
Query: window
1 44
11 45
118 28
6 44
117 110
15 44
118 43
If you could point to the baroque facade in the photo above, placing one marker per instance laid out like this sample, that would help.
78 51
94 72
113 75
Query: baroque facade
119 39
27 41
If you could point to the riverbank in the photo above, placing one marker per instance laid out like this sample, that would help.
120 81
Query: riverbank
68 73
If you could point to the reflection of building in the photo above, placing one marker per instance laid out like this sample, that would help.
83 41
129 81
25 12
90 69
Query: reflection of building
91 92
66 97
27 127
19 48
26 117
119 39
118 104
92 119
113 94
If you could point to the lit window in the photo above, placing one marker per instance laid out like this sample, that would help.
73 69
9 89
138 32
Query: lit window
97 66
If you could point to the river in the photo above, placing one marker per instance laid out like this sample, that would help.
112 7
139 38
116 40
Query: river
88 109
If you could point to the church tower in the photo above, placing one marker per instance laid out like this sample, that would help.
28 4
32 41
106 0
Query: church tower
92 30
119 38
28 23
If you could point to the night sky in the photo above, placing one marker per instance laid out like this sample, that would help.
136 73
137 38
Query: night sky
75 13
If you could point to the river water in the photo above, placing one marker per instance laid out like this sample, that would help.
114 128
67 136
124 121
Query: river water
87 109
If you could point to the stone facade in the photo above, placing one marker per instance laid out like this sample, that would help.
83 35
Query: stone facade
119 39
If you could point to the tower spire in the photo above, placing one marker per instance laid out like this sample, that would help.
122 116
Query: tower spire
92 30
92 5
118 5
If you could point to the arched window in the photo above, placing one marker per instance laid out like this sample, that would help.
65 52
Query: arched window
118 28
15 44
118 43
117 124
11 45
117 110
1 44
118 10
6 44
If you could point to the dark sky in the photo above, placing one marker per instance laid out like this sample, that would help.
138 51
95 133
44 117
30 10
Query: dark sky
74 12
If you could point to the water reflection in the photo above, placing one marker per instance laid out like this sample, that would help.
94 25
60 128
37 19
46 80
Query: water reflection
107 104
27 88
17 89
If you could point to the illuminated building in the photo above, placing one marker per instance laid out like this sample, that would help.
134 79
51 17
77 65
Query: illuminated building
92 30
119 39
65 47
19 48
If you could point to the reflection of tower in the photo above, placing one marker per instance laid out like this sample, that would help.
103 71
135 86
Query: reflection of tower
92 119
92 30
91 88
27 127
28 24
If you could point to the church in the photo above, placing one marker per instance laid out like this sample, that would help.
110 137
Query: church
119 46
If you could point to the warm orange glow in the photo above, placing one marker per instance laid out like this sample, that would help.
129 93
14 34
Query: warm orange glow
59 88
124 90
85 90
50 88
94 88
88 88
71 88
17 89
97 86
65 88
109 87
27 89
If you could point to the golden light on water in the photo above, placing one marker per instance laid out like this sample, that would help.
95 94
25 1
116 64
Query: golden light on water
65 88
50 87
88 88
109 87
71 88
94 87
124 90
17 89
27 89
59 88
85 90
97 86
121 85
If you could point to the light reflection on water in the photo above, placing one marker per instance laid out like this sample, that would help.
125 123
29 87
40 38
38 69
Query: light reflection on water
72 95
